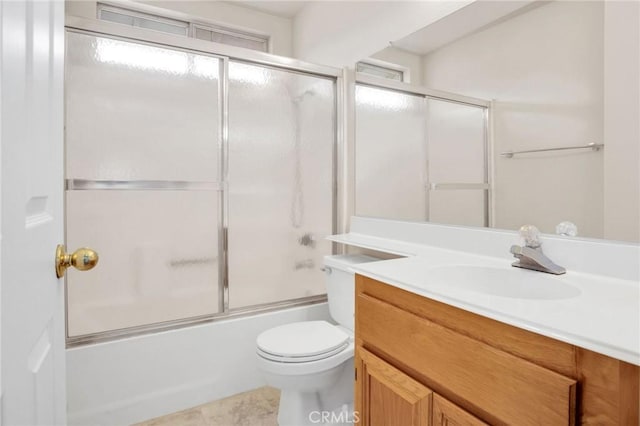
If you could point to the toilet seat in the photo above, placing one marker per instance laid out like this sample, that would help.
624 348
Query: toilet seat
301 342
287 369
294 359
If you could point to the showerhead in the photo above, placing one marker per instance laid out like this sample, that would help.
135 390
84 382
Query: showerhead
301 96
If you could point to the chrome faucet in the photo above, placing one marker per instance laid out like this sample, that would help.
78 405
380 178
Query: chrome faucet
530 256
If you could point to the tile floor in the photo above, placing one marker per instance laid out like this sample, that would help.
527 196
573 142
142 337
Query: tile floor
258 407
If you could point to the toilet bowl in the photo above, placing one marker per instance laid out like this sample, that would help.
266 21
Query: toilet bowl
311 362
311 378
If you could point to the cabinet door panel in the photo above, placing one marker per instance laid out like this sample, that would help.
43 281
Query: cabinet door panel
388 397
445 413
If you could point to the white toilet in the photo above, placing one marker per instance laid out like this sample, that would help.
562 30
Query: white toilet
311 362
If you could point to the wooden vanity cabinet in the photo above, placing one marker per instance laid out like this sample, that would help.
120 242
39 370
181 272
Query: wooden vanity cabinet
446 413
392 397
422 362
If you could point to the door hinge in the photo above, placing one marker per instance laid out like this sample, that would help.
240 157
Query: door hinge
356 374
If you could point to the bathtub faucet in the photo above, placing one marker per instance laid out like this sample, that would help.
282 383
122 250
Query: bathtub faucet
304 264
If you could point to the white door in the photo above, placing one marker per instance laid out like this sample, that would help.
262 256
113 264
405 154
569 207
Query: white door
31 142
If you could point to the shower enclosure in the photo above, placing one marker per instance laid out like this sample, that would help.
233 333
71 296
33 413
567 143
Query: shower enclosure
407 140
205 175
205 180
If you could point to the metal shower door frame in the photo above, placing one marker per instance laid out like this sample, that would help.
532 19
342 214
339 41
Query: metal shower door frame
439 95
224 53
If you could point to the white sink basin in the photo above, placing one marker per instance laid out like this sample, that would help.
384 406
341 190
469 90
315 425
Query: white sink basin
504 282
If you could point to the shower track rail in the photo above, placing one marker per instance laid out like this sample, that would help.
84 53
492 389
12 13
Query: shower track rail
110 335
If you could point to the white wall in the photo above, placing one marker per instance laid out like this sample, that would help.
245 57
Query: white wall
412 62
131 380
340 33
217 12
544 70
622 120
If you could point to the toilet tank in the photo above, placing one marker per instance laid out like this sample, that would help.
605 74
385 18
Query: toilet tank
341 286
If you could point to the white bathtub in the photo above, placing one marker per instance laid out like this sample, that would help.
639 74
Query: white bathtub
138 378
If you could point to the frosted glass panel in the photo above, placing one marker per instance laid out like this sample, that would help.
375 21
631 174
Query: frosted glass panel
281 142
458 207
138 112
390 154
457 154
456 138
158 258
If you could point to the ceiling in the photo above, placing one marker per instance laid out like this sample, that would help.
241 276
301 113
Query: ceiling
462 22
285 9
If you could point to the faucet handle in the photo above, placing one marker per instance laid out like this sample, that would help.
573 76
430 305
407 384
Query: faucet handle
531 236
567 229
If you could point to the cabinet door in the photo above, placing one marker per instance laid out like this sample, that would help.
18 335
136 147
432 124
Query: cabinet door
509 389
445 413
388 397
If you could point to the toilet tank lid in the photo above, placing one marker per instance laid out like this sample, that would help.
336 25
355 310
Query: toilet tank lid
345 261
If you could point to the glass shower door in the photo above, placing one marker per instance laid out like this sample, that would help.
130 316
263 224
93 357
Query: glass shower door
281 183
405 146
456 134
391 158
143 183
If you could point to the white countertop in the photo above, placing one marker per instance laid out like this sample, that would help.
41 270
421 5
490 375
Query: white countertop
604 317
602 314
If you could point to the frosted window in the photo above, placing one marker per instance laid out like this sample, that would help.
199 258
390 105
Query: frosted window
217 34
118 18
281 144
390 154
158 258
163 27
202 34
379 71
142 20
139 112
255 42
234 40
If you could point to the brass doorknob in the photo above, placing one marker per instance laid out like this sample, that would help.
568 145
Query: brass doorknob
82 259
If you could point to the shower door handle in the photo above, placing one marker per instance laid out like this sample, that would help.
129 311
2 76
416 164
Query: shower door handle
82 259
